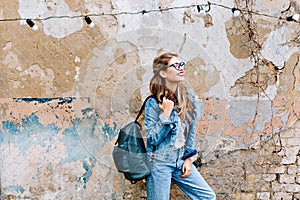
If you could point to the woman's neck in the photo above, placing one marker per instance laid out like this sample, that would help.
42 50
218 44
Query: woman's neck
172 86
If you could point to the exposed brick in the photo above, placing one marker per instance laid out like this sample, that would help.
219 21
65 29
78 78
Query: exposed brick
290 155
284 141
290 142
297 196
277 170
263 195
276 187
235 196
292 188
297 129
282 196
265 187
297 132
251 182
284 178
293 169
269 177
286 187
243 196
248 196
288 134
298 179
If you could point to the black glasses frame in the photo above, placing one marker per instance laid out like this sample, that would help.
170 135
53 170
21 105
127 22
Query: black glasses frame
177 66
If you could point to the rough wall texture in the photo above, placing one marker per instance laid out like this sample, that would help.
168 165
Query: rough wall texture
66 90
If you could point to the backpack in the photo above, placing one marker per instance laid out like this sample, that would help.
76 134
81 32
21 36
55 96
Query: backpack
129 153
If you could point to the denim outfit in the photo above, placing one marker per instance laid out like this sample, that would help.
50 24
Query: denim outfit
167 161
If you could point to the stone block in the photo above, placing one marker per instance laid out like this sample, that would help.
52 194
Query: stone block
298 179
284 142
292 188
288 188
288 134
293 141
276 187
277 170
263 196
293 169
285 178
265 188
297 133
297 196
290 155
269 177
243 196
282 196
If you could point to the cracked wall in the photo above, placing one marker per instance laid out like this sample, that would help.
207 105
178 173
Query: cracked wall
66 90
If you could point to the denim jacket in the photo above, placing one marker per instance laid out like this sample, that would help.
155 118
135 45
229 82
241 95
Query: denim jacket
162 132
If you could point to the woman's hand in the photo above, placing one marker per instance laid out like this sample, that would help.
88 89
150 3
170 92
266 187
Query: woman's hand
186 168
167 106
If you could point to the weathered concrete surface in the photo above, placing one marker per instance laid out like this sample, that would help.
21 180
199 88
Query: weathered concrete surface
66 90
52 147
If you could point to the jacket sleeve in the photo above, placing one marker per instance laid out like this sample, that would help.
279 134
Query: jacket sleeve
157 126
189 146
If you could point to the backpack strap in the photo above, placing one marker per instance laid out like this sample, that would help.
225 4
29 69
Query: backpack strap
143 107
138 116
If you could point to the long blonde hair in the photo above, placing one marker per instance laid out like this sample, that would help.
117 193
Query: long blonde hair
158 88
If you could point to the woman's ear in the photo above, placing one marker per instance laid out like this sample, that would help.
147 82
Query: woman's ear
163 74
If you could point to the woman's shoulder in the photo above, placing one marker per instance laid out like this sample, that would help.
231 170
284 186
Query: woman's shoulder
152 101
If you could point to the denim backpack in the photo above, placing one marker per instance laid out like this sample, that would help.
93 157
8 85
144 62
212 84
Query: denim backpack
129 152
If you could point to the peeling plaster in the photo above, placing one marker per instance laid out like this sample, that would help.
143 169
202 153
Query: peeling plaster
88 168
11 60
27 135
274 48
241 117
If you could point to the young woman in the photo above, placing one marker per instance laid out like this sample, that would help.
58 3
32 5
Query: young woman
170 122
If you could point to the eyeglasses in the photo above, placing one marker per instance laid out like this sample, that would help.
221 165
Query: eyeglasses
177 66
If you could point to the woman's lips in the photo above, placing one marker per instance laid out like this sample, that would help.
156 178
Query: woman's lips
180 74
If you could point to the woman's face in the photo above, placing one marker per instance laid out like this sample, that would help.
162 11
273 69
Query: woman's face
173 75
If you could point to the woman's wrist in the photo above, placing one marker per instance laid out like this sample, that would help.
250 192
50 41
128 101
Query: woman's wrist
168 114
189 159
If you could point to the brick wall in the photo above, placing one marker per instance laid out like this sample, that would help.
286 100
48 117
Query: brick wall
270 172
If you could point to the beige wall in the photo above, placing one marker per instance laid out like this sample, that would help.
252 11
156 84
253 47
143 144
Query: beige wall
66 90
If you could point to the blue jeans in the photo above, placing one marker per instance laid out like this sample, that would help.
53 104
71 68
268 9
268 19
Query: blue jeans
159 182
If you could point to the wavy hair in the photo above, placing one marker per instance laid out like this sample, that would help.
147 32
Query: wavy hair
159 89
